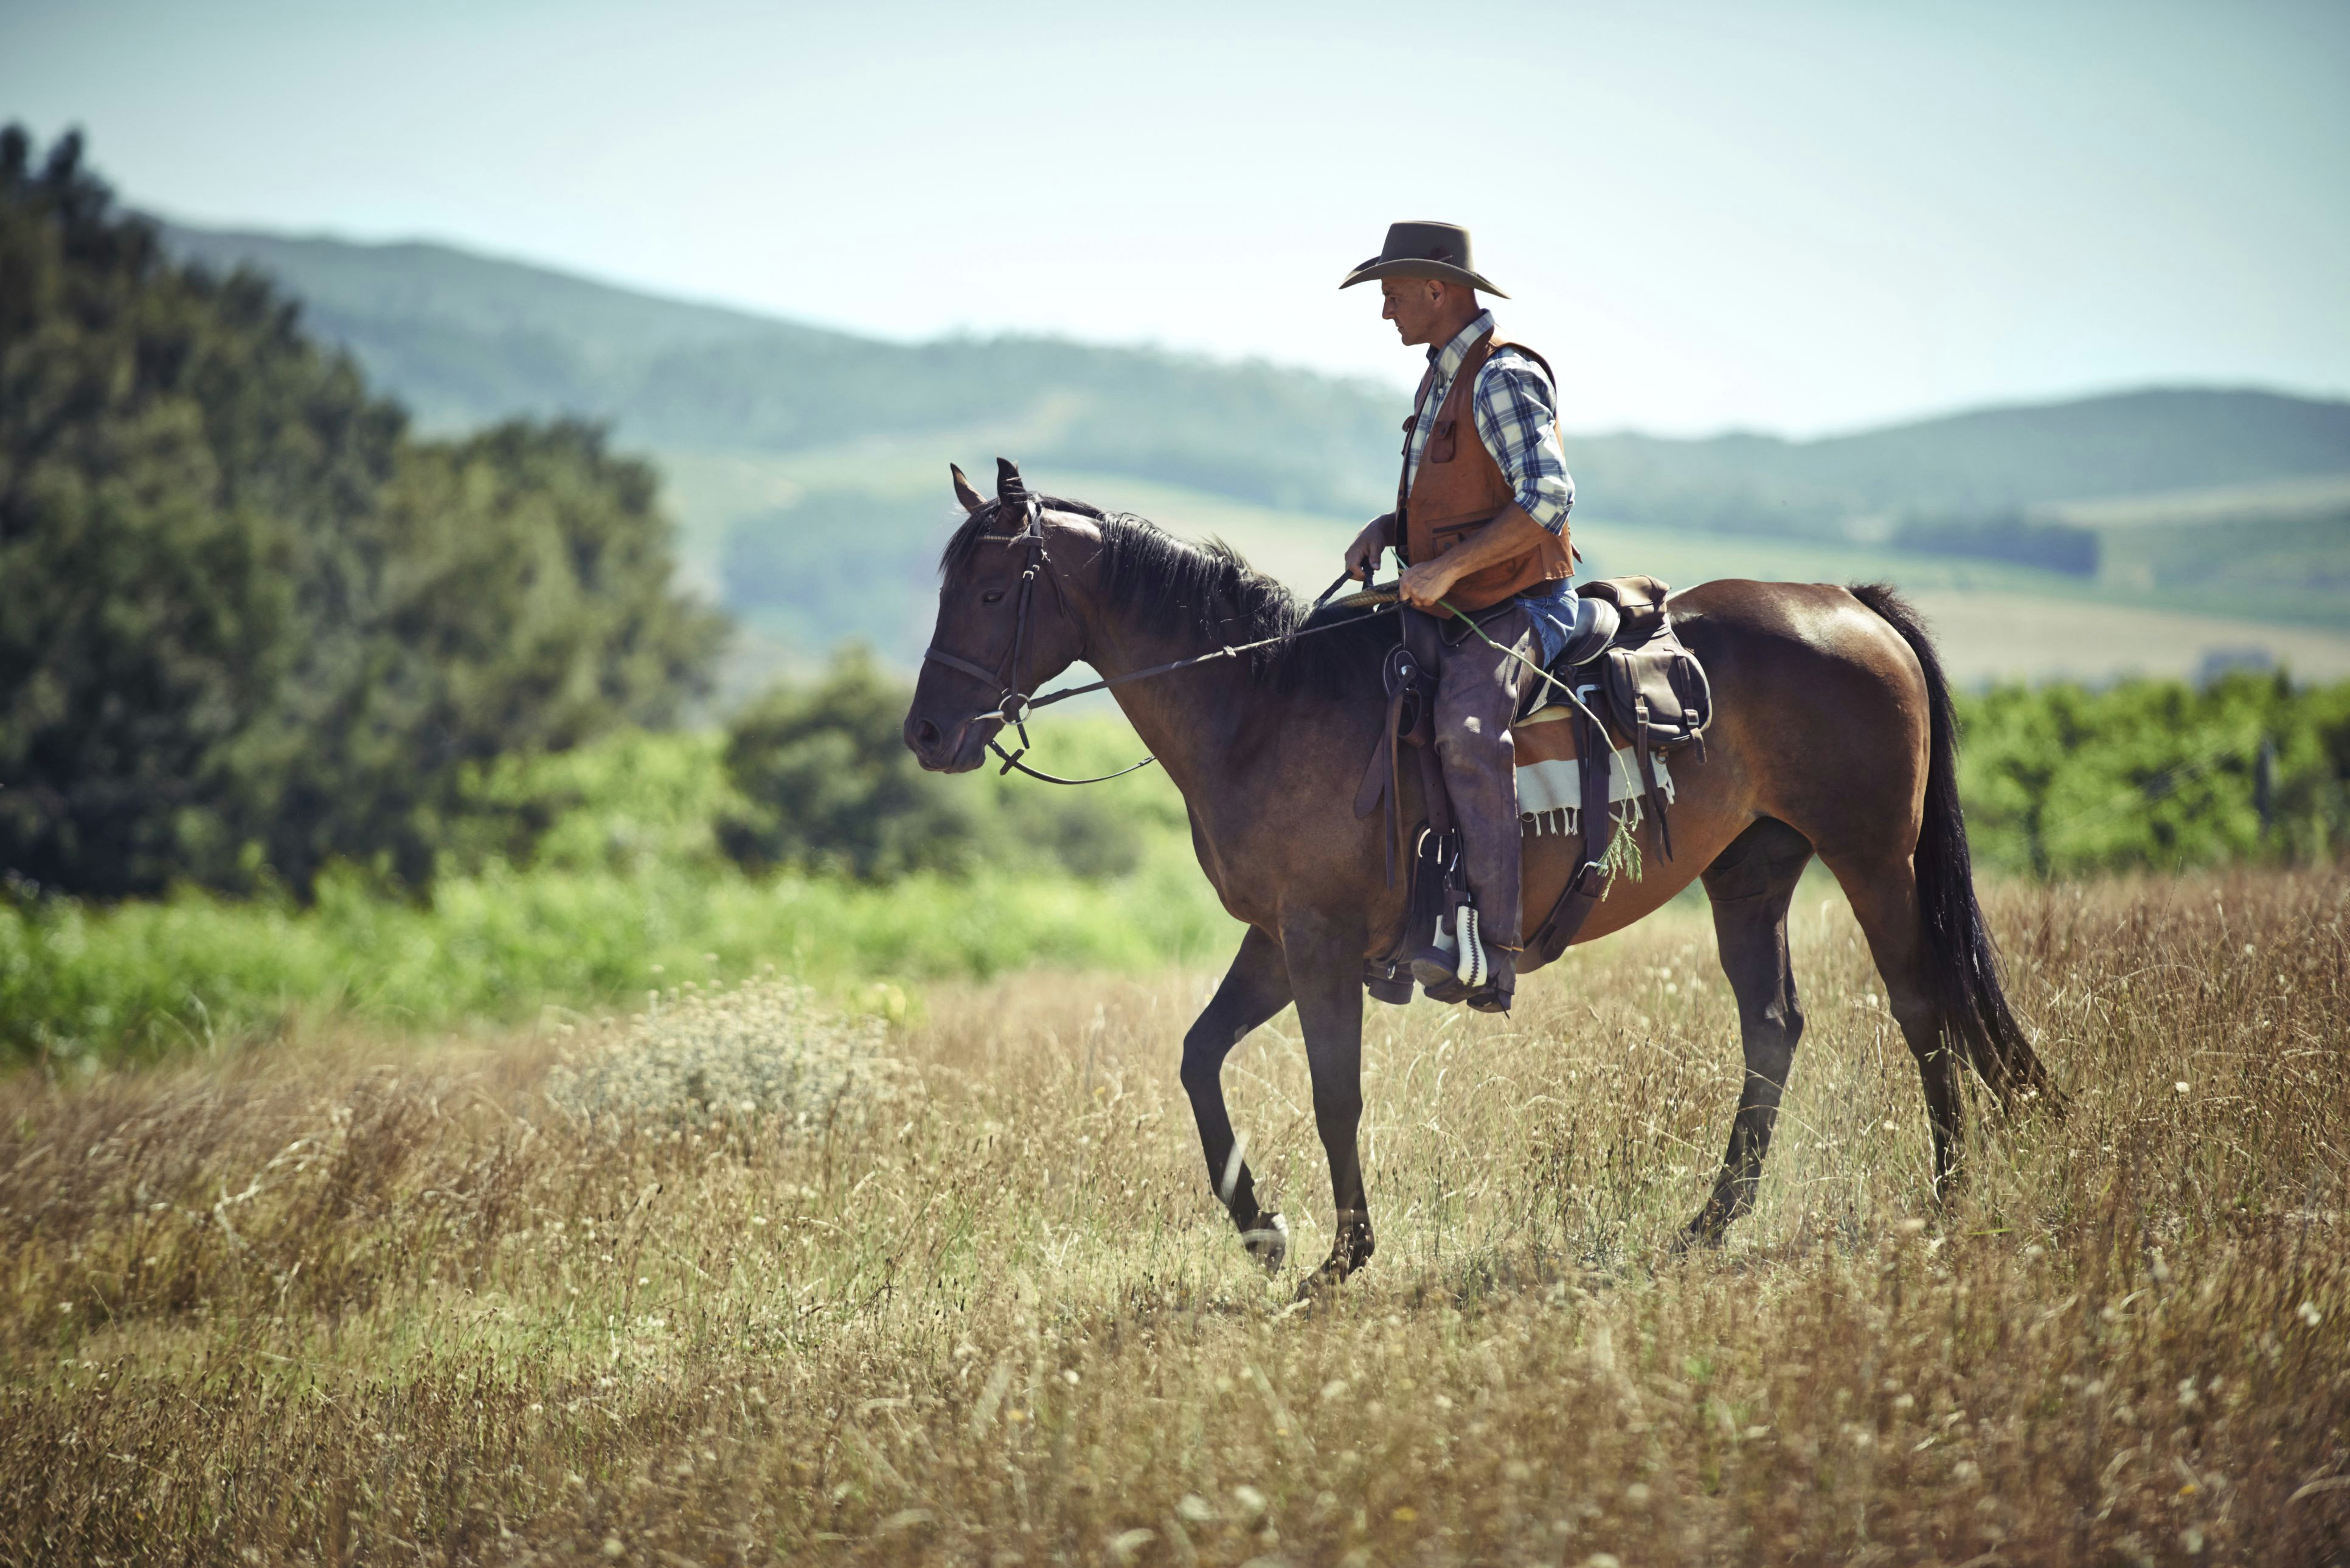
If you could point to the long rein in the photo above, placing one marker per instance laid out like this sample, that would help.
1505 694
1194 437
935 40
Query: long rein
1015 706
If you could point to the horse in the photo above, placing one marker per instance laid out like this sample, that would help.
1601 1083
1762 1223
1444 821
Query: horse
1833 736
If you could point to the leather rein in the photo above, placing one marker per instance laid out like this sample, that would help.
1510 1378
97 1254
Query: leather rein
1014 705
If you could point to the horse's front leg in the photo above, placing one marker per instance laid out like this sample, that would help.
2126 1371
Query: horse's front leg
1254 988
1325 976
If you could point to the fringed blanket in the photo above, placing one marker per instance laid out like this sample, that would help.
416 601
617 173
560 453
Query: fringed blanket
1550 776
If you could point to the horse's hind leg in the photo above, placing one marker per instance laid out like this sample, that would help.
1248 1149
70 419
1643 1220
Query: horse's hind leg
1750 884
1254 988
1883 891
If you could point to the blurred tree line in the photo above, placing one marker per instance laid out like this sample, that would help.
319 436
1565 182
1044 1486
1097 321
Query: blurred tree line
2006 533
2057 781
2156 774
251 627
248 625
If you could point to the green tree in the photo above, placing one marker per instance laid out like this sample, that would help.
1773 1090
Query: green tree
248 626
832 787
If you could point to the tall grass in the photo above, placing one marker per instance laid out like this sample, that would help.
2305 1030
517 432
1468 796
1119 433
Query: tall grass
956 1292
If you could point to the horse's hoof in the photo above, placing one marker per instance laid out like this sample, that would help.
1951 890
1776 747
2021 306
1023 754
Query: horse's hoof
1703 1234
1354 1249
1322 1285
1269 1242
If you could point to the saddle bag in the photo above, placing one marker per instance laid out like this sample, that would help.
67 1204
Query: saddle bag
1657 692
1653 692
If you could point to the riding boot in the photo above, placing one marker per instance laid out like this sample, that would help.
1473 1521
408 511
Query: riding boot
1489 854
1477 696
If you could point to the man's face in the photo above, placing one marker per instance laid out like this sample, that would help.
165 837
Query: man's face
1415 305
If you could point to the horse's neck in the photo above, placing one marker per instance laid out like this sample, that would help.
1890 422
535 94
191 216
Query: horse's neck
1191 720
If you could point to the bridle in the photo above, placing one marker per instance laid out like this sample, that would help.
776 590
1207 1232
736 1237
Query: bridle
1015 703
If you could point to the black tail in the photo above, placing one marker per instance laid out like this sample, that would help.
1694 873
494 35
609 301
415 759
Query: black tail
1961 964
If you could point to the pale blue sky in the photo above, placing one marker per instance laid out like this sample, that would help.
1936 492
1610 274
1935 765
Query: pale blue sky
1786 217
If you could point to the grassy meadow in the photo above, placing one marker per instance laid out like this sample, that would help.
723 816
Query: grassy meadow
739 1280
451 1111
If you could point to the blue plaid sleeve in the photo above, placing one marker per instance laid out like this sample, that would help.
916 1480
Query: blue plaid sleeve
1517 421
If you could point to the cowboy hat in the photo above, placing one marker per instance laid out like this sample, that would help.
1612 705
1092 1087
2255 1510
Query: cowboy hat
1424 250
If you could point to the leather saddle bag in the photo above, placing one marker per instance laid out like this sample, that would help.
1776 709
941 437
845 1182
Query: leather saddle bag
1656 693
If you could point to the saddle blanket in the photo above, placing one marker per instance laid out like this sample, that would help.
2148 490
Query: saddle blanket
1550 776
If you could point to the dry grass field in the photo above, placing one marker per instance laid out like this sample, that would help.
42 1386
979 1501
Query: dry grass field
739 1283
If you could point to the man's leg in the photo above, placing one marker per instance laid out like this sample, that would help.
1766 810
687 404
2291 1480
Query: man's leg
1476 697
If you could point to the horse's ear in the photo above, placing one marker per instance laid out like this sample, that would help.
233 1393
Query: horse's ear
1009 488
964 493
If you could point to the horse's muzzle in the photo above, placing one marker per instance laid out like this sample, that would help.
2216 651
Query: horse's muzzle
956 750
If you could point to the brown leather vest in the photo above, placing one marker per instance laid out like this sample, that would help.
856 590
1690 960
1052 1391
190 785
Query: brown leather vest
1460 489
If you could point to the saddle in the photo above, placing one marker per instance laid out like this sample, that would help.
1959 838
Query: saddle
1628 666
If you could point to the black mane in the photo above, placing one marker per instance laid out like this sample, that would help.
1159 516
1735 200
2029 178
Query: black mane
1169 585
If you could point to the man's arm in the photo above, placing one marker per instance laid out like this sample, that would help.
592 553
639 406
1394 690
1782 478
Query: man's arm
1513 534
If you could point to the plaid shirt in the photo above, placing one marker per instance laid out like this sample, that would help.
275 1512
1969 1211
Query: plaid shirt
1516 416
1516 419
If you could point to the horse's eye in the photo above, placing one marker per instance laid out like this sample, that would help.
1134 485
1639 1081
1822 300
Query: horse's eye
991 597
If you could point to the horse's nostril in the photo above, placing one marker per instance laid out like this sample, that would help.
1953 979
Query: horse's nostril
926 734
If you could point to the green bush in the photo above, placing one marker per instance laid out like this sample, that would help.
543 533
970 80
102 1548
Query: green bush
621 886
625 890
828 785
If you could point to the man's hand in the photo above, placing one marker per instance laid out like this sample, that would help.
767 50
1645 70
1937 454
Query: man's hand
1377 536
1430 581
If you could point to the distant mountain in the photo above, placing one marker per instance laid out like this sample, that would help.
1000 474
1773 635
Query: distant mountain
464 339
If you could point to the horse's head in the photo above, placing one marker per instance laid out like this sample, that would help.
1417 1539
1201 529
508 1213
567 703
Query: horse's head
1006 624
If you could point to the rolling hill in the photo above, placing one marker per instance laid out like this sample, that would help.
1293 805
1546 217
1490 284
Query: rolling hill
465 339
782 442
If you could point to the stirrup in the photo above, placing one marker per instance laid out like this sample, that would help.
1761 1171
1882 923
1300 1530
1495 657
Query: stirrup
1436 966
1501 982
1450 967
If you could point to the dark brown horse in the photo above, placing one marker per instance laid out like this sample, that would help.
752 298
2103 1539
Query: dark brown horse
1833 736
